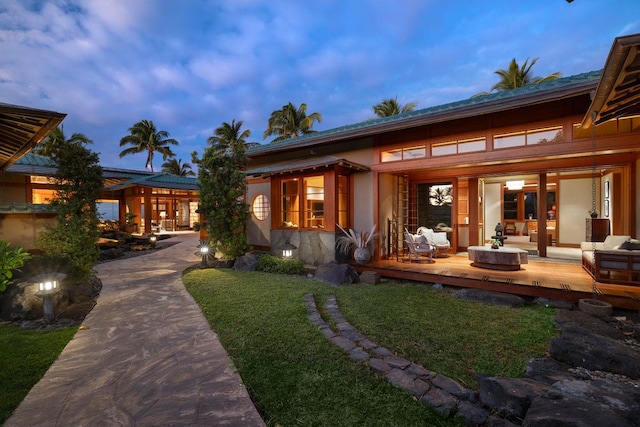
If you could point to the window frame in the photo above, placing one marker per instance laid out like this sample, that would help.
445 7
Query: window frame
331 202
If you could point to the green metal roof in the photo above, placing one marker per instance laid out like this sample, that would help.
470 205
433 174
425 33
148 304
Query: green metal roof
35 164
161 180
494 102
24 208
304 164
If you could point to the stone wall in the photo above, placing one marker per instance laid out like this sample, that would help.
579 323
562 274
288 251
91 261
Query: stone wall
314 248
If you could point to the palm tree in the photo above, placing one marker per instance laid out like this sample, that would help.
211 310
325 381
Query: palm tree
518 76
391 107
291 122
176 167
145 137
56 139
229 138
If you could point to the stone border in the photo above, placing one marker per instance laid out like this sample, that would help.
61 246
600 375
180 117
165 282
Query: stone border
443 394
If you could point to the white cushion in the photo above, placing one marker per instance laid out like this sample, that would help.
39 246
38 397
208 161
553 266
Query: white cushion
613 242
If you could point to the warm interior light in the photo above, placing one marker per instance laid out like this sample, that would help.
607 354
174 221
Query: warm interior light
515 185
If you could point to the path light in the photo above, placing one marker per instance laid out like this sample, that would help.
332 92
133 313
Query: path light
287 249
204 250
153 239
48 286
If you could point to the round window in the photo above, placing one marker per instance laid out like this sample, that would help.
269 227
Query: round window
260 207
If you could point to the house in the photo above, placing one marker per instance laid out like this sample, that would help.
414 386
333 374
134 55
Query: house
537 158
26 189
23 210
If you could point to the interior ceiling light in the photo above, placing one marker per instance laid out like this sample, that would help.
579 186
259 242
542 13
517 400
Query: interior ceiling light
515 185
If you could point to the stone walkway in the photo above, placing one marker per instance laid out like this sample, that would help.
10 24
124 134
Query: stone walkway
144 356
441 393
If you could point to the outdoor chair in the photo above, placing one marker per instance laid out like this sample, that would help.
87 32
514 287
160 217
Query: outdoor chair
417 247
437 239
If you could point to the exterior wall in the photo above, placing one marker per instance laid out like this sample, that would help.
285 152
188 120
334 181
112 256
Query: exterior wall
23 229
259 231
386 184
363 202
314 248
13 188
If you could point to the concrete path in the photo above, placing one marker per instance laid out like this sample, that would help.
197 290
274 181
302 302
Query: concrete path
148 357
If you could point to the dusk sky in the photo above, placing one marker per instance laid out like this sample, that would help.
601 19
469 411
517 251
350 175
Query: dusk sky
190 65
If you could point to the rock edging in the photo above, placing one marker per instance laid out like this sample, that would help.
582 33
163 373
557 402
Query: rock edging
443 394
591 376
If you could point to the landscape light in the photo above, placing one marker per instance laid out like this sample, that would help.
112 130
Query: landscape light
287 249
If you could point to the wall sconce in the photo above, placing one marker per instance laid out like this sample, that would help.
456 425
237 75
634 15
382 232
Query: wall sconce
287 249
48 286
153 239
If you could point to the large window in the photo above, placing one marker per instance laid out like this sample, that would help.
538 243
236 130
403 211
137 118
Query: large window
343 201
290 209
312 202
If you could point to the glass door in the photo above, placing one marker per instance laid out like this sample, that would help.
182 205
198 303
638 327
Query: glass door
435 208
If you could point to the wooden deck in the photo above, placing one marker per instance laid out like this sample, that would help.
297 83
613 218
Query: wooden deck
557 279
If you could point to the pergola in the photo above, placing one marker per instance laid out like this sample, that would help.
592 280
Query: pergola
21 129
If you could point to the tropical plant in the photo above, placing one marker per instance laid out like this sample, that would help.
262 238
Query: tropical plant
176 167
229 137
79 185
143 136
222 189
291 122
391 107
354 239
56 139
11 258
516 76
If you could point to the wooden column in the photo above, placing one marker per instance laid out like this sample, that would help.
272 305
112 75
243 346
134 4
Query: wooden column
542 215
474 213
148 210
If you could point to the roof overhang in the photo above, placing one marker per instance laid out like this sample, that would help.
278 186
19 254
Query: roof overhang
618 92
551 91
305 165
21 129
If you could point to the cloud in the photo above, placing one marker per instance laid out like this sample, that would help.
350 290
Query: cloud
190 66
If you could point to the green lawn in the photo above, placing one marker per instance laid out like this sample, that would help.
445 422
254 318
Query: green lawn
297 377
25 355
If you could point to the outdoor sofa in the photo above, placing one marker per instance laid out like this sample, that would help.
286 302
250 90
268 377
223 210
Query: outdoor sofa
616 260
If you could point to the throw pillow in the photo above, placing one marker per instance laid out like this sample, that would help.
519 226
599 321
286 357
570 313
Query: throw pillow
630 246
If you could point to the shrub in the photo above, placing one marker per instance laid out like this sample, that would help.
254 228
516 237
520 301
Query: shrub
78 185
273 264
11 258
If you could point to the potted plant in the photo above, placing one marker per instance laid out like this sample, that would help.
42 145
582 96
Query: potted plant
593 213
358 240
129 225
495 244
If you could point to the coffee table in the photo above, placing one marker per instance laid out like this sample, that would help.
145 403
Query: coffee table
504 258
